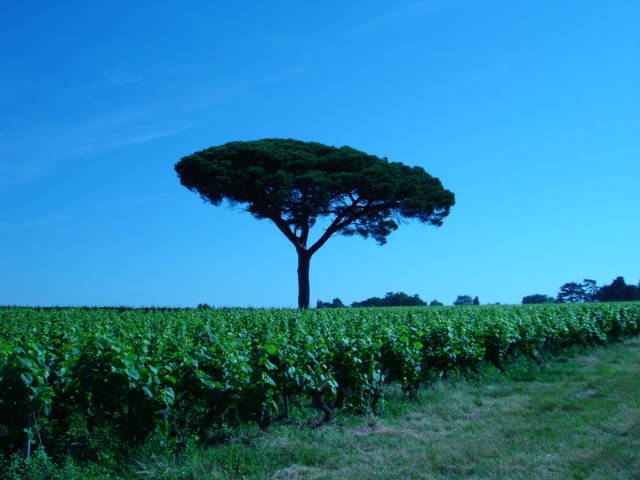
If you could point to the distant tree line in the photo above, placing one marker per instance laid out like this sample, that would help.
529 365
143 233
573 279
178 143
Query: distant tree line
588 291
399 299
572 292
391 299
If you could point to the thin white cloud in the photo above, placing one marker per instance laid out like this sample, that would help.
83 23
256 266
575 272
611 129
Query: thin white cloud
49 219
69 214
393 17
35 152
92 143
46 134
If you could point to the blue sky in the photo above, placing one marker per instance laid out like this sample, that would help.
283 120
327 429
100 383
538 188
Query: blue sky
528 111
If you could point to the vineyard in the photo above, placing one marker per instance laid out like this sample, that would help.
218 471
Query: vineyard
140 370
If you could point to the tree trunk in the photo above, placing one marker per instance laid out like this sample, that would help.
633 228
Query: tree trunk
304 289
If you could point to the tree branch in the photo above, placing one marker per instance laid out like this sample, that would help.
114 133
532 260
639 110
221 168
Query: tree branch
344 219
284 228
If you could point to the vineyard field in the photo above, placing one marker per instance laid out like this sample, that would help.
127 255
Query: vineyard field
135 368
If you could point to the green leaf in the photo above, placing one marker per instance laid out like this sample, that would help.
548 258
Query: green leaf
27 363
27 378
268 365
268 380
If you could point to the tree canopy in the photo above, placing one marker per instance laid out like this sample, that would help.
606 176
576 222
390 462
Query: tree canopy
294 183
337 303
392 299
466 300
588 291
538 298
618 291
572 292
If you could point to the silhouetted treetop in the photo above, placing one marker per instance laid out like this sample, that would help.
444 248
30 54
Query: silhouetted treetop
538 298
618 291
391 299
293 183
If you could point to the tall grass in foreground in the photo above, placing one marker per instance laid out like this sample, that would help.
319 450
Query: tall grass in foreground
576 416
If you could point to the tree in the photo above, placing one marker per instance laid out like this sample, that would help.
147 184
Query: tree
435 303
538 298
464 300
574 292
476 301
337 303
391 299
294 183
590 290
571 292
369 302
618 291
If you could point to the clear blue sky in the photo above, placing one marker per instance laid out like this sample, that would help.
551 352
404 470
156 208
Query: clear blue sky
528 111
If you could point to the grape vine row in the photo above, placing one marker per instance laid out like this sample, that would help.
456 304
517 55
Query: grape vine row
134 366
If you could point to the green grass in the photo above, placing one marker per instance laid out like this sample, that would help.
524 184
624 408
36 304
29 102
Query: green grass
577 416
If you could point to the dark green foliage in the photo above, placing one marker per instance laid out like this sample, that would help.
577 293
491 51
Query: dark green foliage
476 301
618 291
538 298
574 292
391 299
40 466
590 290
464 300
571 292
337 303
435 303
294 183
